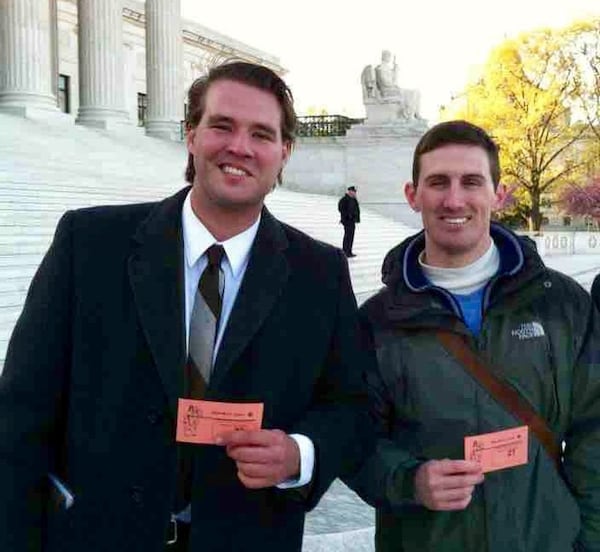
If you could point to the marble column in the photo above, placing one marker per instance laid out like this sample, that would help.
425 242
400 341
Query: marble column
164 68
101 72
26 57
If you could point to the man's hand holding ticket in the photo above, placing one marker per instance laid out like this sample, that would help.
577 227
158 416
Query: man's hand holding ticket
264 457
498 450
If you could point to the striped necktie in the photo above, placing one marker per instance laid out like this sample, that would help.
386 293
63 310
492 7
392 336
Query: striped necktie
205 320
203 330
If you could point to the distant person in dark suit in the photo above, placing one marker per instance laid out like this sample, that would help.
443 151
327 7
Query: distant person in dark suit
349 217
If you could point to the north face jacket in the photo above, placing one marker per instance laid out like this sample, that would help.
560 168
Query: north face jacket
541 335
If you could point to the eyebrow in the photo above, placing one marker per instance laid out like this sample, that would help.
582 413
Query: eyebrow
473 175
434 176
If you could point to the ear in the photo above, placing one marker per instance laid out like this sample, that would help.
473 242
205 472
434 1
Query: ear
410 192
286 152
189 139
500 196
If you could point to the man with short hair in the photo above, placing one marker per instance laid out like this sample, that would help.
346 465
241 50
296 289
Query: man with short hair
349 217
204 295
475 335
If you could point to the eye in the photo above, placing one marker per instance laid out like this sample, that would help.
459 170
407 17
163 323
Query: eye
263 135
472 182
225 127
437 183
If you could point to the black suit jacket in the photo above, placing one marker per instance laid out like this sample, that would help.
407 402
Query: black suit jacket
95 366
349 210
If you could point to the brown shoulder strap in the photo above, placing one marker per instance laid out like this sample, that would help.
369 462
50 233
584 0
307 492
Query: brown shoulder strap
507 396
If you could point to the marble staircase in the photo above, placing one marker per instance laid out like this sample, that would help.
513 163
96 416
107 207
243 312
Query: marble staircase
46 169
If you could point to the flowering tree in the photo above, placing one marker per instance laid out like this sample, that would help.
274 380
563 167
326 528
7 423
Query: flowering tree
582 200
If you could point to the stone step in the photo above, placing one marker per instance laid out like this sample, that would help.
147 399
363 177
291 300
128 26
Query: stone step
3 346
8 316
18 247
12 285
19 261
12 299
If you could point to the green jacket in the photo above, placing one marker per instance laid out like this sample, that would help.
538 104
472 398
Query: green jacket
542 335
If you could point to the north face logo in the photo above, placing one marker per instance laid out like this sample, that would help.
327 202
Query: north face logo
529 330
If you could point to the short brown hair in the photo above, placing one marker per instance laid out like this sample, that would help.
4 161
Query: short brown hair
456 132
260 77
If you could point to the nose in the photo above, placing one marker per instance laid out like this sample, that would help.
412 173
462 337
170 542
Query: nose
454 197
239 144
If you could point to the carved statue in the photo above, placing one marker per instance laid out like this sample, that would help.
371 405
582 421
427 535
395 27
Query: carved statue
408 104
413 101
386 76
369 86
383 98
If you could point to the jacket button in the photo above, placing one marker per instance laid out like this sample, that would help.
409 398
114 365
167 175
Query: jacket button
154 417
137 494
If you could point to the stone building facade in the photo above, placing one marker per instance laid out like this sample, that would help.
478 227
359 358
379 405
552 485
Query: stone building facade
108 63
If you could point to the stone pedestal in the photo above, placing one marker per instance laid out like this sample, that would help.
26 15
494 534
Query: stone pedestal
164 68
380 163
369 130
383 112
101 73
26 58
401 108
376 158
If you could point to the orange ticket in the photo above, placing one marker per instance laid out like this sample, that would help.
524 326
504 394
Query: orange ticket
498 450
202 422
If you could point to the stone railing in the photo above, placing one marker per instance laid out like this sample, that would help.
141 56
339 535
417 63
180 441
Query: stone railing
568 243
325 125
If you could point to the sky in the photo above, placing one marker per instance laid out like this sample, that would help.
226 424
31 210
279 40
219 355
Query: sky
325 44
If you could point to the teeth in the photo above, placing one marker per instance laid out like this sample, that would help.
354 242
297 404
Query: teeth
456 220
233 170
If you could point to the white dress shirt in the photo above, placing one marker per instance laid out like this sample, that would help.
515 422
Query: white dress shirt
196 240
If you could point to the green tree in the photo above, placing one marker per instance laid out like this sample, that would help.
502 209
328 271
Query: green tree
581 48
525 98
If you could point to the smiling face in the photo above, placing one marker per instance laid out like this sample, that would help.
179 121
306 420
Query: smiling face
455 196
238 152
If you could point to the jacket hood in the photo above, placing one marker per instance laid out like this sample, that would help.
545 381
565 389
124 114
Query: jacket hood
401 266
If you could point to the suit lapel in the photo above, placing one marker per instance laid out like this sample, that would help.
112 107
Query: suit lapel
156 276
266 274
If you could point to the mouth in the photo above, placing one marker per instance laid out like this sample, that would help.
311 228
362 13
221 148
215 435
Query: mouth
233 170
456 221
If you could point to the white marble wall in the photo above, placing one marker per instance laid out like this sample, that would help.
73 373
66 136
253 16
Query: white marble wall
202 48
378 166
317 165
